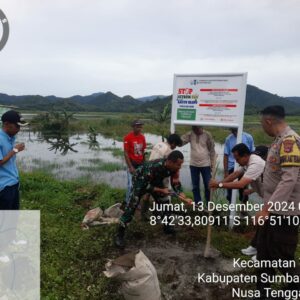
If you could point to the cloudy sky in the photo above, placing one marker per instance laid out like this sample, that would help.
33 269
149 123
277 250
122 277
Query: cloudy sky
133 47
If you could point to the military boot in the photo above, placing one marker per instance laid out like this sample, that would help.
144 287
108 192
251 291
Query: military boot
144 210
169 230
119 238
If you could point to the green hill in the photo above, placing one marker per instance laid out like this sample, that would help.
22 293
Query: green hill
256 99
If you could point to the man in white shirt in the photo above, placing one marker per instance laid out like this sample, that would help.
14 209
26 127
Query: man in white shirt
251 169
163 149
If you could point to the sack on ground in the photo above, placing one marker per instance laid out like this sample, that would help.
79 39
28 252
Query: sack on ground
138 276
96 216
114 211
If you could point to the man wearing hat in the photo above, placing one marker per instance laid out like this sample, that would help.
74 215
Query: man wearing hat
9 175
134 152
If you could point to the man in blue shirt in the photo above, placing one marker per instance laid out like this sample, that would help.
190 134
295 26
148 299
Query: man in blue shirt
9 175
229 160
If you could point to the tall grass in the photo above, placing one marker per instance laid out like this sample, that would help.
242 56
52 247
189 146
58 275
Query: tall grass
116 152
98 164
72 260
117 125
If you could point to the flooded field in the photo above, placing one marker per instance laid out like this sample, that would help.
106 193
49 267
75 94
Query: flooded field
77 156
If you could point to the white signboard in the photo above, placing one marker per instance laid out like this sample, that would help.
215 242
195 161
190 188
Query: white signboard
209 99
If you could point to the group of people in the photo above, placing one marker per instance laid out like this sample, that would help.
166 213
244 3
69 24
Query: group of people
272 172
151 177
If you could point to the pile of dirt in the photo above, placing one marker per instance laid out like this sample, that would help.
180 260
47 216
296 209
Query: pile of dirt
178 267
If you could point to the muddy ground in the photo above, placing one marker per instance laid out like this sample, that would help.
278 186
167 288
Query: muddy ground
178 265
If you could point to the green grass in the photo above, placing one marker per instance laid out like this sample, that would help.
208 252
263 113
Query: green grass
117 125
72 260
98 164
45 165
116 152
70 163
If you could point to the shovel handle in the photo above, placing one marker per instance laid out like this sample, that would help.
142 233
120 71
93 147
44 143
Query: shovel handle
181 198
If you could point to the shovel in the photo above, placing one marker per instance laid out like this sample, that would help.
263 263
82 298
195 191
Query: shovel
207 250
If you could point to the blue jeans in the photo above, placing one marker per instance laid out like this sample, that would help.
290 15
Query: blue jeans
129 185
206 176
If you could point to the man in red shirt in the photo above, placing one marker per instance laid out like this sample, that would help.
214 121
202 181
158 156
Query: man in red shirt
134 152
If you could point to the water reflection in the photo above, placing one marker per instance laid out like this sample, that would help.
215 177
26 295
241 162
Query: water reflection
92 139
87 156
59 141
73 156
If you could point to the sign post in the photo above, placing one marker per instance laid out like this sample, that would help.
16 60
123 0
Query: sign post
210 100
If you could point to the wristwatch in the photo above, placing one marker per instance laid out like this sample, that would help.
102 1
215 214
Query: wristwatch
15 150
220 185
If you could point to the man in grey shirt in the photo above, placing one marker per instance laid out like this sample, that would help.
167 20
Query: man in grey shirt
201 159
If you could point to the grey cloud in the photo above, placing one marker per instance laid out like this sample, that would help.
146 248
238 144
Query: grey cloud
134 47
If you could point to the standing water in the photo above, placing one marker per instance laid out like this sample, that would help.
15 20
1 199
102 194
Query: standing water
76 156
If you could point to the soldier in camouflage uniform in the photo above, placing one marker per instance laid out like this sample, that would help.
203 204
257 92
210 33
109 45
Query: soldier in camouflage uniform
149 178
281 196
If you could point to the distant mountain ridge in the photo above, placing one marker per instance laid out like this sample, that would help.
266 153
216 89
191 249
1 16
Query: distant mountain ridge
150 98
294 99
256 99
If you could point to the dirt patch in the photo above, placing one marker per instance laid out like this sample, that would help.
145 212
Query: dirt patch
178 267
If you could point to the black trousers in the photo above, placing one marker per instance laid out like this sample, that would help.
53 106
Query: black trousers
10 198
274 242
241 191
254 240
